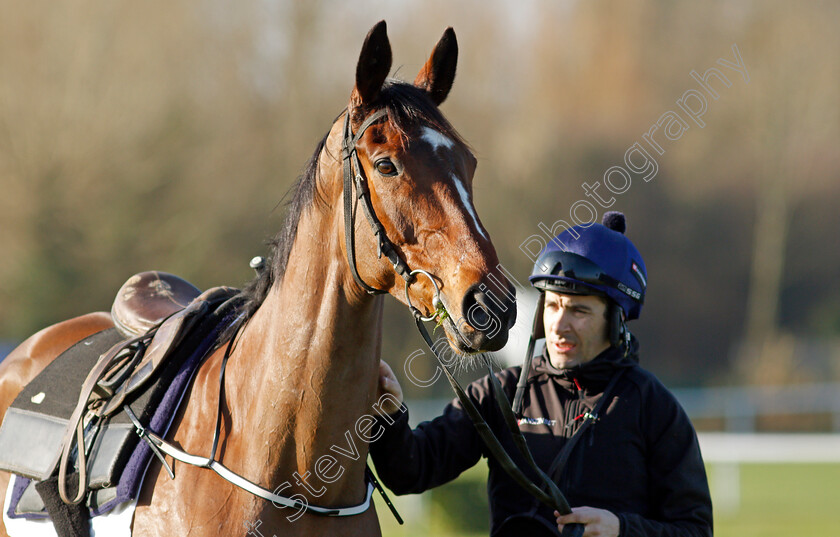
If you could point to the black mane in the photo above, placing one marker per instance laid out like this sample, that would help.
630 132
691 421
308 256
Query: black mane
407 107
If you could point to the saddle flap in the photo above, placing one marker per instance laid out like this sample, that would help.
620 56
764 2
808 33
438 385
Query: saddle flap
149 373
167 338
30 443
149 297
32 431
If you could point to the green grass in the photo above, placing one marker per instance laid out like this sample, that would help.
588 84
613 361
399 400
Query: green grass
779 500
775 500
457 509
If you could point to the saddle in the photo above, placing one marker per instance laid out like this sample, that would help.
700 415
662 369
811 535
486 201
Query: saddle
76 423
147 298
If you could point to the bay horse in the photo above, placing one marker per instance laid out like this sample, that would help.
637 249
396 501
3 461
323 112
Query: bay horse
305 364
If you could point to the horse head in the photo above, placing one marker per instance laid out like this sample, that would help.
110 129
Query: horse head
418 172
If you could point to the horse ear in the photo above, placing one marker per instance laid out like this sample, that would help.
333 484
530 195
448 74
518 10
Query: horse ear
374 65
437 75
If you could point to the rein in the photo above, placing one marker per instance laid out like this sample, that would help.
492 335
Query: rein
553 498
548 493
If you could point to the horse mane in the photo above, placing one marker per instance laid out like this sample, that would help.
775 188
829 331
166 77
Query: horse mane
407 107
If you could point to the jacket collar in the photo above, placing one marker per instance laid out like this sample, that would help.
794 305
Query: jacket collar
593 374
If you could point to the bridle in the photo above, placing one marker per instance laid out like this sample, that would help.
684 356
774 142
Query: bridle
350 158
160 447
547 492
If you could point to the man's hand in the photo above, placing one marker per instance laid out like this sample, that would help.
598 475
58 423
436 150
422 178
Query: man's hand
389 384
597 522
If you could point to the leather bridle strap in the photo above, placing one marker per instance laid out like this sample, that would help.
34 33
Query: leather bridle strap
349 154
553 498
350 158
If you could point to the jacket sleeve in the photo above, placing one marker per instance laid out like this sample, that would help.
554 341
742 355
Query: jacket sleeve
682 506
436 452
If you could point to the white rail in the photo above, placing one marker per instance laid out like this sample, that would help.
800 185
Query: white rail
770 448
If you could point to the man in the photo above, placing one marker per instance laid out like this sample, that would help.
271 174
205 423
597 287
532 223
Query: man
611 436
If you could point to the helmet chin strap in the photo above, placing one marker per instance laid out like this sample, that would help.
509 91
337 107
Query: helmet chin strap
619 334
537 331
625 342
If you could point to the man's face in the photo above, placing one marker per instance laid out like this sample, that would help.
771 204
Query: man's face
575 328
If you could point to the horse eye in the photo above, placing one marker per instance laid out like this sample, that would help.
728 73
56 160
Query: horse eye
385 167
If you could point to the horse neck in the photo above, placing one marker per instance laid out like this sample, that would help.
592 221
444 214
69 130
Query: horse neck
312 353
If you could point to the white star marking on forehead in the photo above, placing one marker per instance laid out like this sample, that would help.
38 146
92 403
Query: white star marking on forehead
436 139
466 202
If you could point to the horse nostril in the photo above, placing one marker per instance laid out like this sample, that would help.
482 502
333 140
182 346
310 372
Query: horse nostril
485 312
477 315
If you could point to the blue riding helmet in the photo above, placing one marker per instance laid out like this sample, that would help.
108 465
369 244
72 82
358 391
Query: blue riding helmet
594 260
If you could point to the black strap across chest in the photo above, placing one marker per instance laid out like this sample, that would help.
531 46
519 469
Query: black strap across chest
559 463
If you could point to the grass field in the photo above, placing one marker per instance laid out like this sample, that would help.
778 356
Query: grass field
784 500
775 500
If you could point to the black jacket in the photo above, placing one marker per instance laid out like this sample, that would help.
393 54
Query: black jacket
640 459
